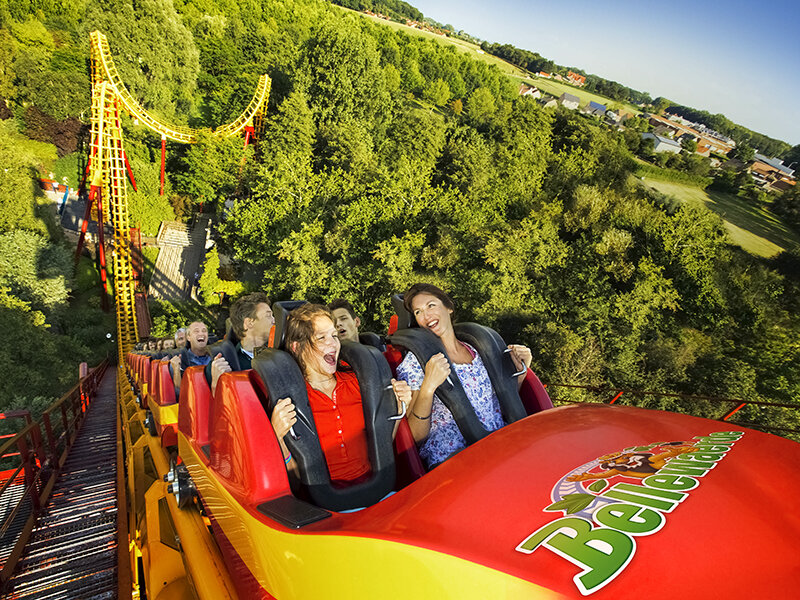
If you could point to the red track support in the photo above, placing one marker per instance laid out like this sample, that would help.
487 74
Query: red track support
101 249
163 161
248 133
87 214
82 186
616 398
130 173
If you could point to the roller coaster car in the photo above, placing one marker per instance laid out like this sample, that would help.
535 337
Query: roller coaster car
609 501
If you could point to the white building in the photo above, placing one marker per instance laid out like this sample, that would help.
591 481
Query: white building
662 144
569 101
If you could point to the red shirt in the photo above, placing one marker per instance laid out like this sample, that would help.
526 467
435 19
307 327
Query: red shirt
340 426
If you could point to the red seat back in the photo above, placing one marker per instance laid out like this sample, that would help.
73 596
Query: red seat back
166 386
534 397
152 383
194 406
245 453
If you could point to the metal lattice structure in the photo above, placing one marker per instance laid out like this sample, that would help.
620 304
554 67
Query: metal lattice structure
107 168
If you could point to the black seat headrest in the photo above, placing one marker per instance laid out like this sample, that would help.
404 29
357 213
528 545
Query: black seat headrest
369 338
231 336
280 311
424 344
499 365
228 351
405 320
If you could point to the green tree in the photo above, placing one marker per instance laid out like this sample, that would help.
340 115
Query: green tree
34 270
689 144
744 152
289 132
154 52
437 92
481 106
147 211
210 169
341 73
212 288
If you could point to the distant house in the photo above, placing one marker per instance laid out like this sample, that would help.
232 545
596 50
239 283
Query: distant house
569 101
662 144
528 90
558 77
771 173
708 141
576 79
775 163
548 102
595 108
624 115
612 117
545 75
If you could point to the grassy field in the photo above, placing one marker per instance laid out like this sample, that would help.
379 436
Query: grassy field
749 226
556 88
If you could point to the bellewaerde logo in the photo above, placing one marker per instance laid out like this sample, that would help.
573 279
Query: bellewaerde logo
606 512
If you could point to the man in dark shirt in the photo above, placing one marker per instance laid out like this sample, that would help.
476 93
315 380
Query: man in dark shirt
197 336
251 319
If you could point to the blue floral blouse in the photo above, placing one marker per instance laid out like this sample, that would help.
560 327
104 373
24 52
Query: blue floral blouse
445 438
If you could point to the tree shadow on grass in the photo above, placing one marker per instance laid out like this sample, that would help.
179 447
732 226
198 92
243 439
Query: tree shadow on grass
752 218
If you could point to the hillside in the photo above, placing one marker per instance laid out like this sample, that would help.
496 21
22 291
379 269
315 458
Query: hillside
392 158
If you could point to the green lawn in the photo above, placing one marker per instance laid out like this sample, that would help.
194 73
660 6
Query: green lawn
556 88
749 226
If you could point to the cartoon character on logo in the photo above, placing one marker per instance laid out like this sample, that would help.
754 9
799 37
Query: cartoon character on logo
634 463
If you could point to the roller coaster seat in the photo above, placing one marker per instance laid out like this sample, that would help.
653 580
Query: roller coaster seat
280 312
194 410
369 338
165 387
532 394
405 320
281 377
248 462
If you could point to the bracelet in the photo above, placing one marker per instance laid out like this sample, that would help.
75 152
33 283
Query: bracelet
421 418
288 459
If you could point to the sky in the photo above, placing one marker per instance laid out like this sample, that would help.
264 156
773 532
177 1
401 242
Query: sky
741 59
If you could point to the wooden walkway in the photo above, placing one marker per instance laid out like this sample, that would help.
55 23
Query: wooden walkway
72 551
182 252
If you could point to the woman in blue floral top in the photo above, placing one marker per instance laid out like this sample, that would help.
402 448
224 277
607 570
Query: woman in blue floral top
431 423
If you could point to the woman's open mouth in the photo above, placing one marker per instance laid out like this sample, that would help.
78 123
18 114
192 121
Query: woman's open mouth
330 358
432 324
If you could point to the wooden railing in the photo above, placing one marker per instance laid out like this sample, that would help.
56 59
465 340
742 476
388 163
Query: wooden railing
31 460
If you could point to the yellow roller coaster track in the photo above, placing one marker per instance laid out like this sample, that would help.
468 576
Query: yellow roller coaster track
107 167
107 71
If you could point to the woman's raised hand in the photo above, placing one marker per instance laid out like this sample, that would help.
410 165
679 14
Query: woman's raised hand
402 391
283 417
437 370
521 355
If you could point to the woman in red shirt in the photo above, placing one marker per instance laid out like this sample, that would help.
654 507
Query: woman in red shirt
334 396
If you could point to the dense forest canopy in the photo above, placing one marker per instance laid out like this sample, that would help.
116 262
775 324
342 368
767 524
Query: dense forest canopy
390 159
